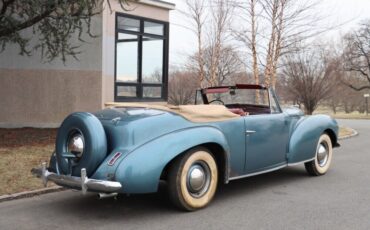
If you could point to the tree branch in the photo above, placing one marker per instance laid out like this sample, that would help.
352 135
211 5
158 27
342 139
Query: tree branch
5 6
357 88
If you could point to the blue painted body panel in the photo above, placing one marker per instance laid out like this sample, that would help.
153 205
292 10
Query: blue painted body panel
267 147
306 133
148 161
150 139
148 144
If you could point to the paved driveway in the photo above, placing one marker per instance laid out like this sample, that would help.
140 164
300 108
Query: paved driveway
286 199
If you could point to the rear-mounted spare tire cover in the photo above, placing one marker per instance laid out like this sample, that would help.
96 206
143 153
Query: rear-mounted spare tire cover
94 143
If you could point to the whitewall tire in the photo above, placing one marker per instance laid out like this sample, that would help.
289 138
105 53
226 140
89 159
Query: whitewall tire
192 179
323 157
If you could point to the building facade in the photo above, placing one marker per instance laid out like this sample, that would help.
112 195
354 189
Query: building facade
126 62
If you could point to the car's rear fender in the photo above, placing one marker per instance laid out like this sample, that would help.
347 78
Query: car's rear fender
303 141
141 169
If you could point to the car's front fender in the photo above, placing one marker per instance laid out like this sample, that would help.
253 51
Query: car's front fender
140 170
303 141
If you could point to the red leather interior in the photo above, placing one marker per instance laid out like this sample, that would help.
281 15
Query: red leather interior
238 111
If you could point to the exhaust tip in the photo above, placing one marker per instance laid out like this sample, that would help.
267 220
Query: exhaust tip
107 195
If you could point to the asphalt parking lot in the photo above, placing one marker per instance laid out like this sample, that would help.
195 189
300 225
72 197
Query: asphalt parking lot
285 199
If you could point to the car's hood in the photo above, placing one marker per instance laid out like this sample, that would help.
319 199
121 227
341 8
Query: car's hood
293 111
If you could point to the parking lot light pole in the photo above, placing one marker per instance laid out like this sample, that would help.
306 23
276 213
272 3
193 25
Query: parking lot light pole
366 96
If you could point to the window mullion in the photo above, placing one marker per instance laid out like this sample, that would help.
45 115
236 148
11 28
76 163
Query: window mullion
164 56
140 61
165 62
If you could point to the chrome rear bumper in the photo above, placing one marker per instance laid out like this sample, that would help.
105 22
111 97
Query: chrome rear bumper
83 182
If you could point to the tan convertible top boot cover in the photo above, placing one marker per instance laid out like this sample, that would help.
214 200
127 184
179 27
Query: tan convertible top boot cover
193 113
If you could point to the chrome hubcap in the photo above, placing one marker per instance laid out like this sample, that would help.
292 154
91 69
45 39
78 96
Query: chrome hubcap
198 179
76 144
322 154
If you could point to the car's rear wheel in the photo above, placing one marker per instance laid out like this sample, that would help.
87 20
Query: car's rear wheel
324 154
192 179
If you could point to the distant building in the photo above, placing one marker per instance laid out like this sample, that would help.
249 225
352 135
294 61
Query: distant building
127 62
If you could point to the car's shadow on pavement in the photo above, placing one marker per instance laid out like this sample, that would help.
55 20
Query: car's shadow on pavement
139 206
254 184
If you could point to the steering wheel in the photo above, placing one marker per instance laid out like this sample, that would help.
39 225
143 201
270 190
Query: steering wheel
219 100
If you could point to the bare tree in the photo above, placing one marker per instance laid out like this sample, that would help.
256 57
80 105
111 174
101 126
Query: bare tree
229 63
253 44
287 23
346 98
249 36
334 102
356 56
221 12
196 11
55 23
292 22
211 31
309 77
182 86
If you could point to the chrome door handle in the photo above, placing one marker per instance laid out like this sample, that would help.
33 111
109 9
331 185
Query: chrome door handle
250 132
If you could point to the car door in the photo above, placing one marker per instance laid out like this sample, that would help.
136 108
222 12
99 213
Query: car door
266 141
267 137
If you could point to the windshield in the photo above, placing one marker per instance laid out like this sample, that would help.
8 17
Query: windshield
228 96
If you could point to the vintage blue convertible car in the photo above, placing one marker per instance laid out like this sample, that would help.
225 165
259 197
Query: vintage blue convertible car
233 132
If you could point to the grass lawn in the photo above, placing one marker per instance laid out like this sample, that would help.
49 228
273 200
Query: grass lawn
353 115
345 131
16 164
20 151
341 114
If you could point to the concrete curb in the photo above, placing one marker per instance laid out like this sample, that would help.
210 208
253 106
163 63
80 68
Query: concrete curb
354 133
26 194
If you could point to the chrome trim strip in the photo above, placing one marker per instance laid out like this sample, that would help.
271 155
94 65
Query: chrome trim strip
83 182
301 162
250 132
257 173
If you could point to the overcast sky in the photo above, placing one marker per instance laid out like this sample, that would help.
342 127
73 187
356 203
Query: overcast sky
350 12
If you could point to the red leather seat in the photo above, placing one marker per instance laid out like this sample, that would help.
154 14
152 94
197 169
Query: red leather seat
238 111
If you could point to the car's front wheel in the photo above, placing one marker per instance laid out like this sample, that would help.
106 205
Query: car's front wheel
192 179
324 154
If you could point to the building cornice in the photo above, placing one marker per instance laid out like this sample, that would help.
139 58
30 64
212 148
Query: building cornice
159 3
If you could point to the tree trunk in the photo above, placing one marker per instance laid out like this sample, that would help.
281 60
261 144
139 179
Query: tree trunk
254 49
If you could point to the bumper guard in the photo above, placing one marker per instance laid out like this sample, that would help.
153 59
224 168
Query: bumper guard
83 182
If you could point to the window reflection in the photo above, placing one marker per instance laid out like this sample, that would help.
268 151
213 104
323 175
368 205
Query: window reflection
152 92
127 58
126 91
128 24
153 28
152 60
141 47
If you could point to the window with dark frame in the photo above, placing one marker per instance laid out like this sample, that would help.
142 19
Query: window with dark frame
141 59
